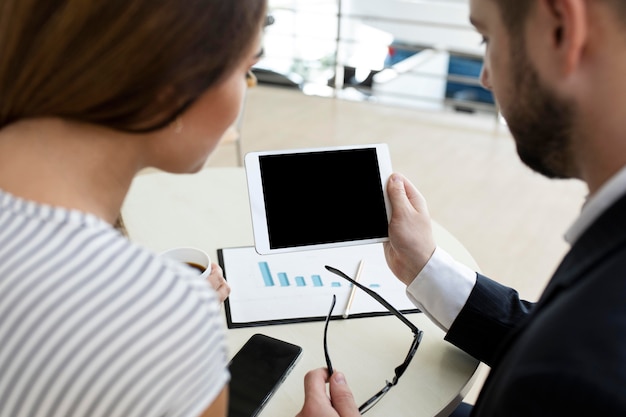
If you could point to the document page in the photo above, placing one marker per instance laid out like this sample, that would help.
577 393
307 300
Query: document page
296 286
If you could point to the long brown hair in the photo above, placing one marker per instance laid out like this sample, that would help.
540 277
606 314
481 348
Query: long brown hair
132 65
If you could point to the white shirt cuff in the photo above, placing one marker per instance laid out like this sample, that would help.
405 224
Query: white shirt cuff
442 288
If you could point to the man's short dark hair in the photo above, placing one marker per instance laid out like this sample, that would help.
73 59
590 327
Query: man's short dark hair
515 12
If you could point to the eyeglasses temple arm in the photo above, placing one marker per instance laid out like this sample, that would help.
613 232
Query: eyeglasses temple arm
329 365
377 297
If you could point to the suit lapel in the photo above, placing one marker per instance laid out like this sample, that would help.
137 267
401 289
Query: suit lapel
605 235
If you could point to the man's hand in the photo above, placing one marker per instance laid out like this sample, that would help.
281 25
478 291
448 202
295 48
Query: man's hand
317 403
411 242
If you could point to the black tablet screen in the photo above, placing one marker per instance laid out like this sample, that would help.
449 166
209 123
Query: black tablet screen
323 197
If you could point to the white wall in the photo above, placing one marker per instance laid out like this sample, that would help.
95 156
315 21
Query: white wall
306 30
418 81
440 24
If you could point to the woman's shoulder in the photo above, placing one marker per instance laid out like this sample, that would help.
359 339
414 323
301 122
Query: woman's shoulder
83 307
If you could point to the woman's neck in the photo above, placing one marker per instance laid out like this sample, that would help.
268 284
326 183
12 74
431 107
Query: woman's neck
67 164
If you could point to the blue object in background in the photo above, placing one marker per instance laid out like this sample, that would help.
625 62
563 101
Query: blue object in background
399 52
458 65
467 67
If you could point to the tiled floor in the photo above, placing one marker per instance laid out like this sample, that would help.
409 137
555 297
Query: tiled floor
511 219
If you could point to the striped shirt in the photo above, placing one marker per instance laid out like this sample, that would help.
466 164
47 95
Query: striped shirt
93 325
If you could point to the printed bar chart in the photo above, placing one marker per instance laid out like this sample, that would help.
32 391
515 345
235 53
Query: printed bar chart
283 278
300 281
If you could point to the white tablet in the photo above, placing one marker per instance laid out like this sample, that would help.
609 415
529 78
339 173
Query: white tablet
318 198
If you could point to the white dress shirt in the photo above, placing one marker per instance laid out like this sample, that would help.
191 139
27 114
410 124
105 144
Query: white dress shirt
606 196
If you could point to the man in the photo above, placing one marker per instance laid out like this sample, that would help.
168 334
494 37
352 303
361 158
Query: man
557 70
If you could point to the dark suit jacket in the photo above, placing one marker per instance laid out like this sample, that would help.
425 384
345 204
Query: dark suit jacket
566 354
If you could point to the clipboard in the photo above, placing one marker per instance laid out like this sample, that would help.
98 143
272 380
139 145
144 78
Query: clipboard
295 287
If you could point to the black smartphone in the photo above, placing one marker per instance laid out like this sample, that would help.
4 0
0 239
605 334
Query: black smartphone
256 371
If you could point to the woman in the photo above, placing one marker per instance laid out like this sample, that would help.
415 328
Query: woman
91 92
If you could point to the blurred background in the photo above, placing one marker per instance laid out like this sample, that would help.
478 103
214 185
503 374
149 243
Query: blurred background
417 53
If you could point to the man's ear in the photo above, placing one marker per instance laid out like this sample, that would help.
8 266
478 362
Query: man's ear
569 31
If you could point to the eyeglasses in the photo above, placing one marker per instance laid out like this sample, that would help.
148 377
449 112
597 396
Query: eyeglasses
417 338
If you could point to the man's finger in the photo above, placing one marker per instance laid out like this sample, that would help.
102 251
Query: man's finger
315 383
401 190
341 396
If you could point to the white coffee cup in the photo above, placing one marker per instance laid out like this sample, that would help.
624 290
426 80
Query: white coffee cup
193 257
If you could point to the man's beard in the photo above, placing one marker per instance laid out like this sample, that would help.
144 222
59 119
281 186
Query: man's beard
541 122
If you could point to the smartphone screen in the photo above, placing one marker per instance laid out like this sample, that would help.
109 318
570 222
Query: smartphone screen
256 371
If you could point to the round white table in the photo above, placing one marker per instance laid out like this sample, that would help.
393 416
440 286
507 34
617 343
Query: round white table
210 210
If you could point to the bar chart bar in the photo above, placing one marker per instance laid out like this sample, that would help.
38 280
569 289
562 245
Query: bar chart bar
267 275
317 281
283 280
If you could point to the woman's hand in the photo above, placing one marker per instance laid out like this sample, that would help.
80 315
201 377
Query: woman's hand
217 281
